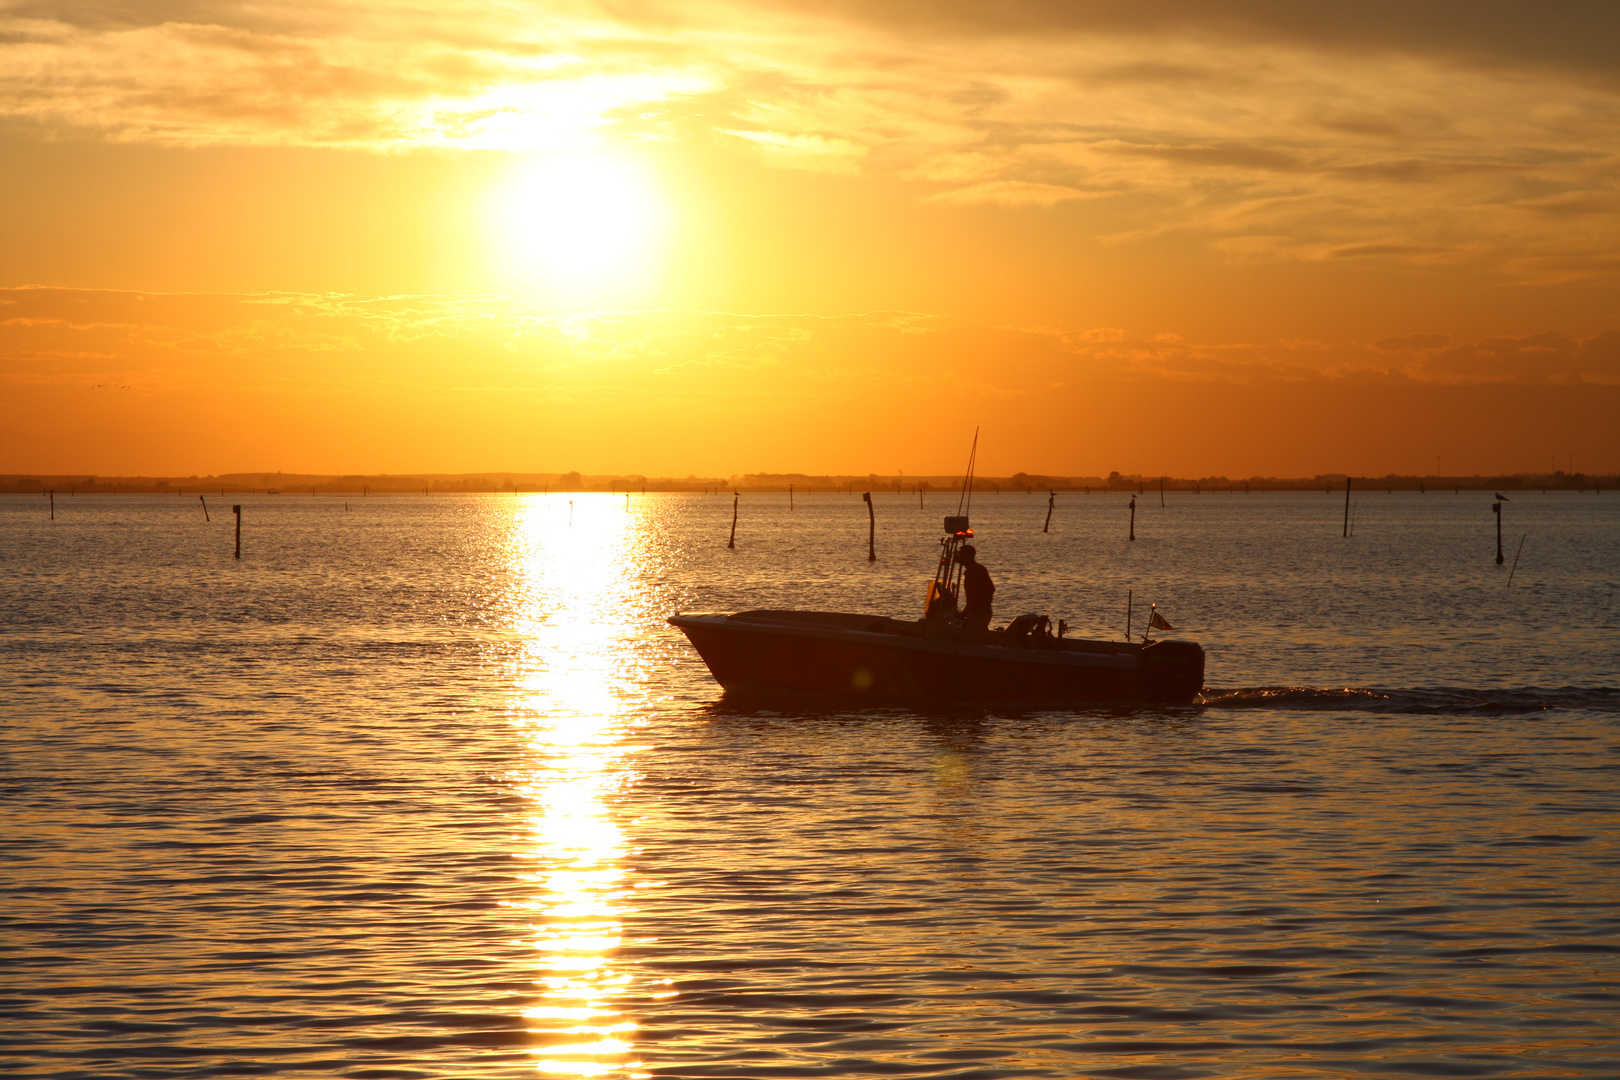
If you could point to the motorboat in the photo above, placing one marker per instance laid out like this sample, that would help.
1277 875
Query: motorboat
939 659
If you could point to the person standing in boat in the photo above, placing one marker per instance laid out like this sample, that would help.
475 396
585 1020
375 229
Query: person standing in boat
979 588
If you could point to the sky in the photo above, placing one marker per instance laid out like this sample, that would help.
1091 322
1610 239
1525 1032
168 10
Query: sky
1159 236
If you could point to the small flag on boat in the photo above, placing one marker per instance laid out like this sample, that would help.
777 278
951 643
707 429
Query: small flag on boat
1157 621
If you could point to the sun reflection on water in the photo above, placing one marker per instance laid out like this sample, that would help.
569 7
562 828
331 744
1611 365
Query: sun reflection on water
573 584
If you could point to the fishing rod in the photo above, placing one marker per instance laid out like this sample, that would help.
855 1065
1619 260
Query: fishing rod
967 481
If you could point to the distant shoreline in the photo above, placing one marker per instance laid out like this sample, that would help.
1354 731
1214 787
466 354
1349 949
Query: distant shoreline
516 483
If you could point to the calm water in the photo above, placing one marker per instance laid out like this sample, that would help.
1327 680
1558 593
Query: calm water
426 787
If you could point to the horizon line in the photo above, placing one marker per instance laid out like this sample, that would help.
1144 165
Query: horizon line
511 482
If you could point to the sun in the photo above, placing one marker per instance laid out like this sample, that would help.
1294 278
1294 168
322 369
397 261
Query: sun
580 225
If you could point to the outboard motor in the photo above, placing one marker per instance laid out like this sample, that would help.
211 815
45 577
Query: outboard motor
1172 671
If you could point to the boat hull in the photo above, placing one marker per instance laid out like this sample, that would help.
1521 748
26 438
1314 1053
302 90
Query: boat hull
879 659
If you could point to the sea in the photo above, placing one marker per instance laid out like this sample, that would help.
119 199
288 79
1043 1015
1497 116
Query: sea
426 786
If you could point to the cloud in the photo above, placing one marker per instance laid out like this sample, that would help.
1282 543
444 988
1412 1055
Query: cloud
1205 157
448 383
1549 354
1497 33
1411 343
1008 193
1275 130
1376 251
1602 352
817 153
269 340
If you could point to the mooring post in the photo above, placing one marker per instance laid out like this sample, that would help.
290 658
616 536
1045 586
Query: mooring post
1133 521
53 504
1128 613
1347 506
735 495
1161 491
204 501
237 510
871 529
1051 501
1497 507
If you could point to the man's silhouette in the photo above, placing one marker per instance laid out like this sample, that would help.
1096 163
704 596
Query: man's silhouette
979 588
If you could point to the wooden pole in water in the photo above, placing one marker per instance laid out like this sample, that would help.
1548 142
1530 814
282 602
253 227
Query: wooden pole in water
871 529
733 541
1497 507
1051 501
1133 517
204 501
1128 613
237 510
1161 491
53 504
1347 506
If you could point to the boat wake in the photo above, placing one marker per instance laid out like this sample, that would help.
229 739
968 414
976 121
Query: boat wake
1430 701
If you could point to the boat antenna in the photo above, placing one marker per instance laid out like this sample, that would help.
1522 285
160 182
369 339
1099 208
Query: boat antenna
967 481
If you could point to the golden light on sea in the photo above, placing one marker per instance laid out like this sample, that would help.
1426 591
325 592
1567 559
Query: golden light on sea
568 567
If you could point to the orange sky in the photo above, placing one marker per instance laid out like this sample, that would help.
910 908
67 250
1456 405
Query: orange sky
1284 238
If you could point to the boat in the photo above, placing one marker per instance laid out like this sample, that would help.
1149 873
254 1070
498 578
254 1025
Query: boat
880 659
939 659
